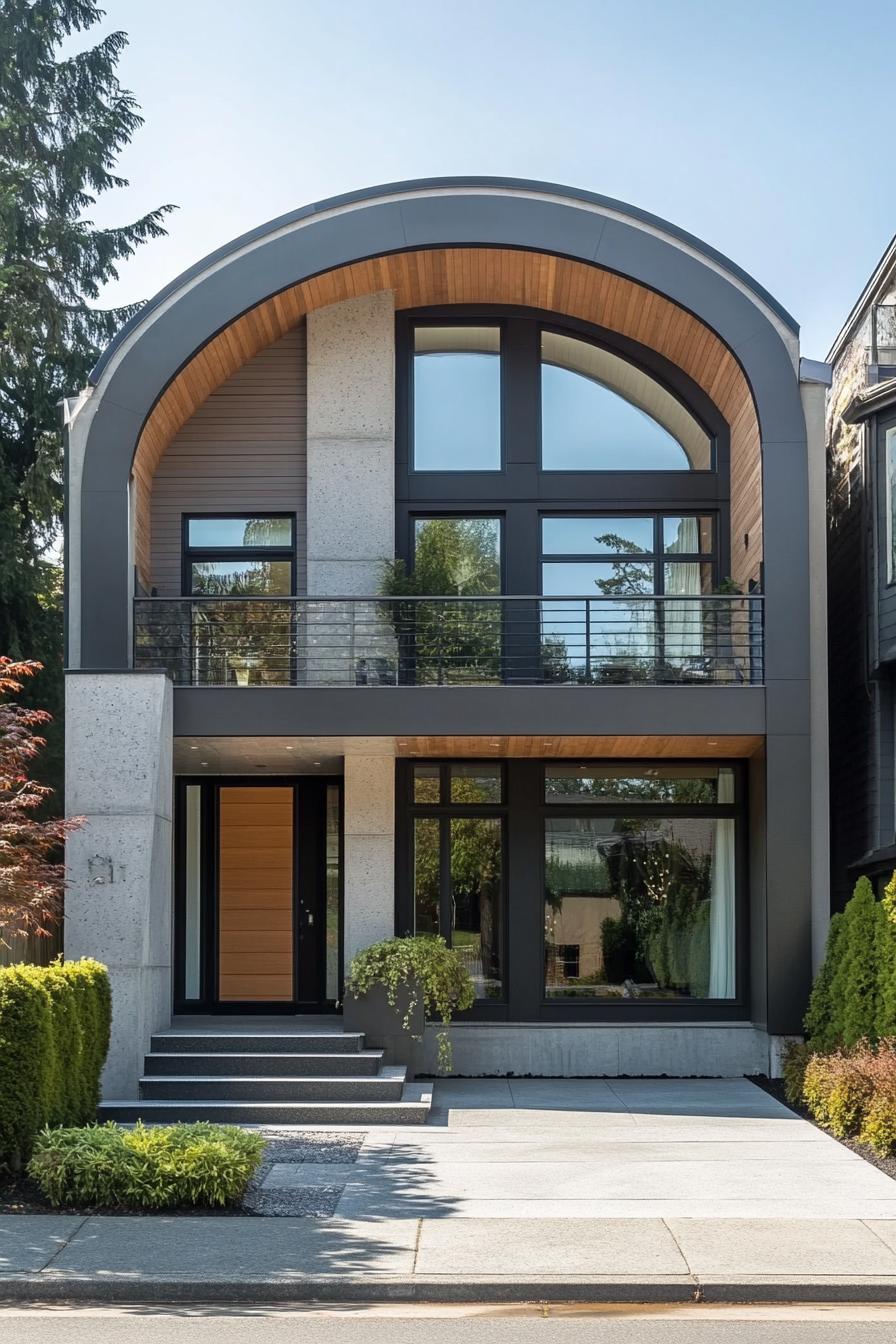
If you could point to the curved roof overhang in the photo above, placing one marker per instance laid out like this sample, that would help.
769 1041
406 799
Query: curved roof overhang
298 251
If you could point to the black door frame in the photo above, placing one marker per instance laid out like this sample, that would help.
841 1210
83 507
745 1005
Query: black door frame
309 876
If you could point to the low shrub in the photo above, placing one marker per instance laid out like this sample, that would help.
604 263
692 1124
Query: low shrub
837 1089
168 1166
54 1037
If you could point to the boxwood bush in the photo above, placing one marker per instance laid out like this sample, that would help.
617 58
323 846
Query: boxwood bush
54 1036
165 1166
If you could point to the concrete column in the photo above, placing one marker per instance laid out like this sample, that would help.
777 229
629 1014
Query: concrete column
118 776
351 444
369 855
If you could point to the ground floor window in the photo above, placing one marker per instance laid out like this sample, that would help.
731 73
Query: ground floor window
457 864
603 886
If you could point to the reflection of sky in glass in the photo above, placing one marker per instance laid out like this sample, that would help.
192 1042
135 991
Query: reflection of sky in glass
586 427
578 536
457 412
225 532
609 578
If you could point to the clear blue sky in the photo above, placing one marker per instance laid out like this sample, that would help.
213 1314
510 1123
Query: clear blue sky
753 124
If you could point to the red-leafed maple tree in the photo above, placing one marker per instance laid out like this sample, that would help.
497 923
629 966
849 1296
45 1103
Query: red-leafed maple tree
32 877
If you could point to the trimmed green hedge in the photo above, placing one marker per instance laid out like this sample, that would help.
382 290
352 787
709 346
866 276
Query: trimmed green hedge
54 1036
166 1166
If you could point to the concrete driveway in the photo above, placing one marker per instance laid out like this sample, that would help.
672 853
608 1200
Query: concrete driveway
623 1148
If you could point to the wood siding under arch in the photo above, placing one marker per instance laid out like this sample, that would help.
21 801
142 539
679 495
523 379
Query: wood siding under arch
488 276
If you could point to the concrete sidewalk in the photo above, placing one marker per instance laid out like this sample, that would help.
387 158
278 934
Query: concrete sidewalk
621 1190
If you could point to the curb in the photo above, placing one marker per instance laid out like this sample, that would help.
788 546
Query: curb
48 1287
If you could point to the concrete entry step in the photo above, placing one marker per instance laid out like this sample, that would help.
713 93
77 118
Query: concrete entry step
363 1064
257 1042
412 1109
385 1086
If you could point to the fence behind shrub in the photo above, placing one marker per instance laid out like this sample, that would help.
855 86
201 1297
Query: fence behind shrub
54 1037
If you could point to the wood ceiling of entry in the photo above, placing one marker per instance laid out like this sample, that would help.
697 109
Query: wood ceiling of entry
585 747
486 276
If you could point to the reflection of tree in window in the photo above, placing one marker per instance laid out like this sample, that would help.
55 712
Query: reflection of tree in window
453 557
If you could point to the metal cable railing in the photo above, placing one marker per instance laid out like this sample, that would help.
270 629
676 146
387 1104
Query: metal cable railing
452 641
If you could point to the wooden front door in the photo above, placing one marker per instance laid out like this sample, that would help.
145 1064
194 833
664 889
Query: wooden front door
256 894
258 907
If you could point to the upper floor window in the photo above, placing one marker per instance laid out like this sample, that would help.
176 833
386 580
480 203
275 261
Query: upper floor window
624 556
239 556
602 413
457 398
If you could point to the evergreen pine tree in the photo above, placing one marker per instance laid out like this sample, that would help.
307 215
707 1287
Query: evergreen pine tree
886 963
63 123
854 984
819 1020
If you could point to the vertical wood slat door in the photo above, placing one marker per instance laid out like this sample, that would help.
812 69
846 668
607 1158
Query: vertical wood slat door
255 894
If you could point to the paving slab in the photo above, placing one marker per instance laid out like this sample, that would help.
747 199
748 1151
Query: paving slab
301 1175
621 1246
29 1241
128 1249
885 1230
474 1150
631 1180
716 1247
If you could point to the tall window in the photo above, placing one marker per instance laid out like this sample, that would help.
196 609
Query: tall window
640 869
457 839
226 558
457 398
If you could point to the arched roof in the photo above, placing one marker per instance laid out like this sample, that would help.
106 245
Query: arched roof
453 186
337 237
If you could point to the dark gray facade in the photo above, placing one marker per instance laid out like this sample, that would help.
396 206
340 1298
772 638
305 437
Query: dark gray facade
152 349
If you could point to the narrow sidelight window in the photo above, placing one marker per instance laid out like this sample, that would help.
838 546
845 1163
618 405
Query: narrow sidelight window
457 398
457 836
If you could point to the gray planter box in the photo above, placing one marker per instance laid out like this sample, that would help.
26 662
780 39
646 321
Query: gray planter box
383 1025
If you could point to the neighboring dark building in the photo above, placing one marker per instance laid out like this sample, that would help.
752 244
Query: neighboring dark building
861 445
586 739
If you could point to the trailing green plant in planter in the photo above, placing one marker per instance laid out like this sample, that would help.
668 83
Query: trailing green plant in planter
426 970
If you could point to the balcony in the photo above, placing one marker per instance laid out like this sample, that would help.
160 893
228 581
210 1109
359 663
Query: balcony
447 641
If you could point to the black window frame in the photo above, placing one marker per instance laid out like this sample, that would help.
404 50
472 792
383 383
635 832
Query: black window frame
196 554
657 559
521 491
525 809
410 549
407 811
613 344
452 319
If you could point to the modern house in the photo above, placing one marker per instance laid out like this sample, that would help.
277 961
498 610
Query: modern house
439 559
861 439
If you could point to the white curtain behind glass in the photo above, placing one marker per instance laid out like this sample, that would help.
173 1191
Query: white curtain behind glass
684 620
721 911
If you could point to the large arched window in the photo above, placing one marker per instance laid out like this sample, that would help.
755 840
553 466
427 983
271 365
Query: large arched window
602 413
591 465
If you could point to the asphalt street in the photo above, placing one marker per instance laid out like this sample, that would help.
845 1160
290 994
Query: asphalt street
525 1324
